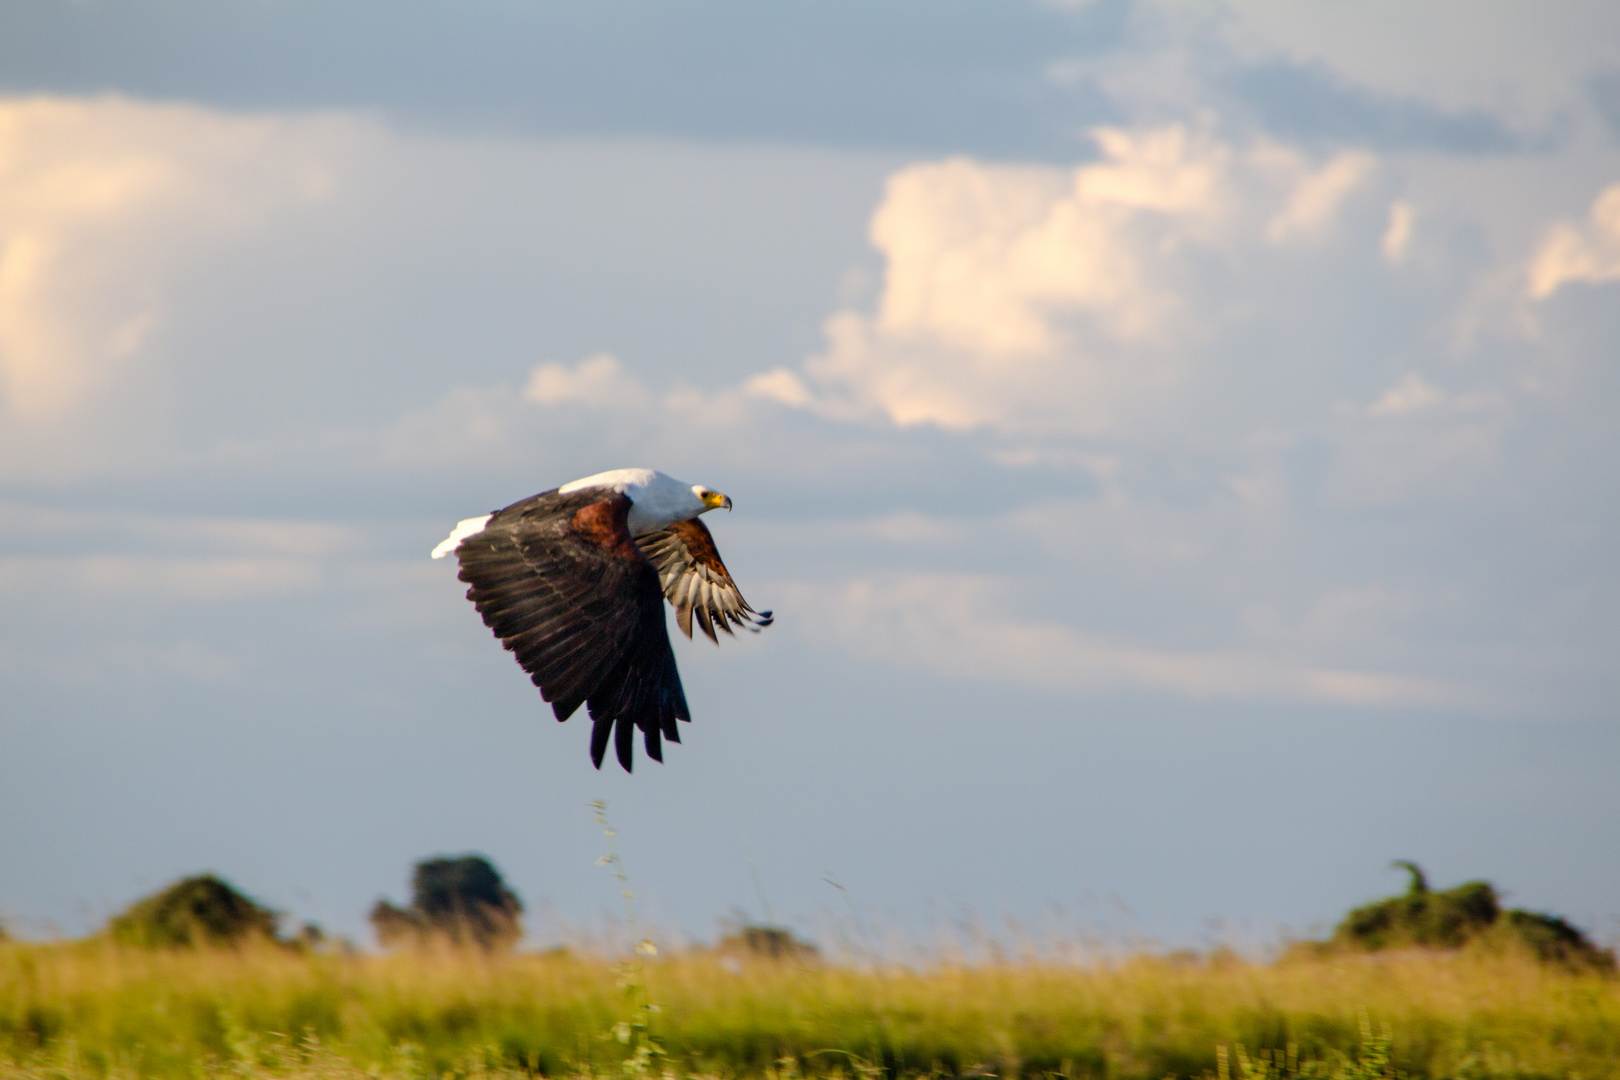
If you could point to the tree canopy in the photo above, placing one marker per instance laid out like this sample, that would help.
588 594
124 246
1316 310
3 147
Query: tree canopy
458 901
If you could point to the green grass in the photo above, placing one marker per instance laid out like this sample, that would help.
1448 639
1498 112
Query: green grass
93 1009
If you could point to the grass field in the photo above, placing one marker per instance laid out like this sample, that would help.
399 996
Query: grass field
91 1009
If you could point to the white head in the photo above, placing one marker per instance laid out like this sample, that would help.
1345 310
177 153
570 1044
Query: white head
656 499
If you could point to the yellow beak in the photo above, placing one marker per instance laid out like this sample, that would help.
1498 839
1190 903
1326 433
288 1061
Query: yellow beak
714 500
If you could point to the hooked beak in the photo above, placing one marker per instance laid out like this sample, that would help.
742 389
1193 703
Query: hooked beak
714 500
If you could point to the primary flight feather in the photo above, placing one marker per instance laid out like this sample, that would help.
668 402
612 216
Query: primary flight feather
573 582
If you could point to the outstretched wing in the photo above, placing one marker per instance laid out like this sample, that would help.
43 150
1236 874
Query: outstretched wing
561 583
697 582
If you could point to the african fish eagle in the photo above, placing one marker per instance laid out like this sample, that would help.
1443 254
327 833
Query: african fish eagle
573 582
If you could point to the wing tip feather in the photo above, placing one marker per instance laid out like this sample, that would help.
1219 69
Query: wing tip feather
464 528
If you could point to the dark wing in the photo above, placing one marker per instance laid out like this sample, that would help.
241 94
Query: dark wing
563 586
696 581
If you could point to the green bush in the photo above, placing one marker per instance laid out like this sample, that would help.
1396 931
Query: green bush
766 943
198 911
461 901
1469 914
1550 938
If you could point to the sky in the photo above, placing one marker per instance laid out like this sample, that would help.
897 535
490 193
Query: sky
1179 443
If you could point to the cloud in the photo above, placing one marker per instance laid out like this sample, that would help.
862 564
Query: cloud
100 200
779 385
90 578
187 287
49 528
1398 236
1311 102
189 661
957 626
1588 254
58 201
154 559
476 426
1417 441
1318 196
981 257
1412 393
1031 299
1201 337
598 382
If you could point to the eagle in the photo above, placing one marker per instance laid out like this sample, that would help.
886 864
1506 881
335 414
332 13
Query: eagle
573 582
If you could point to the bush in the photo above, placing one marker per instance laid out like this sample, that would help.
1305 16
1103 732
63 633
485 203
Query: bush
198 911
459 901
1469 914
766 943
1552 939
1446 920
